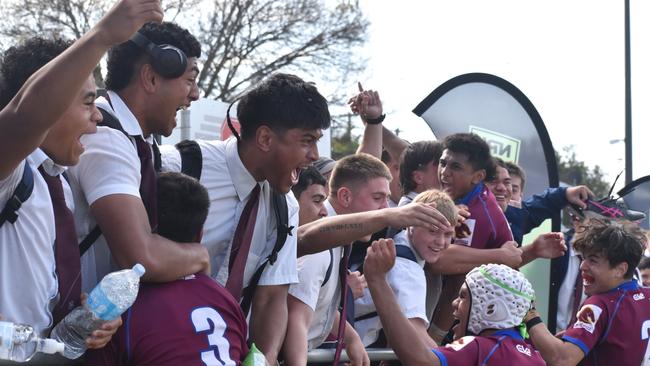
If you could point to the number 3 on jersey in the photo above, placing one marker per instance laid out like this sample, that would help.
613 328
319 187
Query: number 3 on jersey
207 320
645 334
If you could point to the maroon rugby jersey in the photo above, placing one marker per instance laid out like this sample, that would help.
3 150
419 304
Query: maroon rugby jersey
504 347
193 321
490 227
613 328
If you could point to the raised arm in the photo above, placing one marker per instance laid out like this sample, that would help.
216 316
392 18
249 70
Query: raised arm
48 93
330 232
368 105
400 333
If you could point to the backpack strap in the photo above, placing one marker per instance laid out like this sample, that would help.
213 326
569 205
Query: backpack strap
329 268
401 251
22 192
405 252
279 202
191 158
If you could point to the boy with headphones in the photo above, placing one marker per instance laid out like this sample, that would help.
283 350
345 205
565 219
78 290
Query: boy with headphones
149 78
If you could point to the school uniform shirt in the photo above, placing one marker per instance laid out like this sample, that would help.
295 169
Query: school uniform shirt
503 347
566 294
28 281
108 166
613 328
229 185
191 321
488 225
322 297
407 281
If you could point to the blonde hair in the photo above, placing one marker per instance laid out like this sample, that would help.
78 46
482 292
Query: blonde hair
443 203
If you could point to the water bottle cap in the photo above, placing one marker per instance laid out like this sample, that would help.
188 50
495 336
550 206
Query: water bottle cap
139 269
50 346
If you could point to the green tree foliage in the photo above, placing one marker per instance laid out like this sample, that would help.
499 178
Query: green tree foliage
574 172
344 140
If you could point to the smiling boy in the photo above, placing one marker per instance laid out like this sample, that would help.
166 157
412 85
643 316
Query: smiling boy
613 325
417 246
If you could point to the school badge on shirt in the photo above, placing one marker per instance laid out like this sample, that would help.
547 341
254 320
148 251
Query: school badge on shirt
587 317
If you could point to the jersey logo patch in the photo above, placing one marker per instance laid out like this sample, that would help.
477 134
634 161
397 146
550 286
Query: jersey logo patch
638 296
523 349
459 344
587 317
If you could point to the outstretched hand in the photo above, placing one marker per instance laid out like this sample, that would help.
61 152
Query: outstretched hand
550 245
417 214
579 195
125 18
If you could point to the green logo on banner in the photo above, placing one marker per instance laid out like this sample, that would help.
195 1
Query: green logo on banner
502 146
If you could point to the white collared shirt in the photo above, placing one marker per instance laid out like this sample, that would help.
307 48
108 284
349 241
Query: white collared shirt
407 281
323 299
229 185
28 283
566 294
109 165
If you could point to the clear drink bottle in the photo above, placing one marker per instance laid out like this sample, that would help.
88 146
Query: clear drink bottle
109 299
18 342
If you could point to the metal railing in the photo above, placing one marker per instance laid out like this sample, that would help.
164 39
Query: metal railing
327 355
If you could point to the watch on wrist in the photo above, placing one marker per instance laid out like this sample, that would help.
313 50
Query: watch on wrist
375 121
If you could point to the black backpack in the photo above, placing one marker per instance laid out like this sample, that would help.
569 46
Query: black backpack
21 194
192 165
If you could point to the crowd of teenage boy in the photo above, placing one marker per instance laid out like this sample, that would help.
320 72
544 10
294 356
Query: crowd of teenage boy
258 240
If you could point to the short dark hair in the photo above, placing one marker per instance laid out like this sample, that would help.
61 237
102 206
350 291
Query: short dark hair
476 149
183 205
123 59
514 169
618 240
356 169
21 61
282 102
308 176
644 264
416 156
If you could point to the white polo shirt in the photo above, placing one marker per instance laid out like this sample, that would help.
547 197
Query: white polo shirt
229 185
407 280
109 165
323 299
28 283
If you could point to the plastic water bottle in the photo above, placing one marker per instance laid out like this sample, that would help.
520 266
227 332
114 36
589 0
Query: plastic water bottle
109 299
18 342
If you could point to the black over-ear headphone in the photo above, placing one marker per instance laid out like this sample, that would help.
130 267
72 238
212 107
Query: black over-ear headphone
167 60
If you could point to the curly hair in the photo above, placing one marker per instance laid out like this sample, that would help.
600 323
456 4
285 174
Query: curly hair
282 102
124 59
619 241
476 149
21 61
